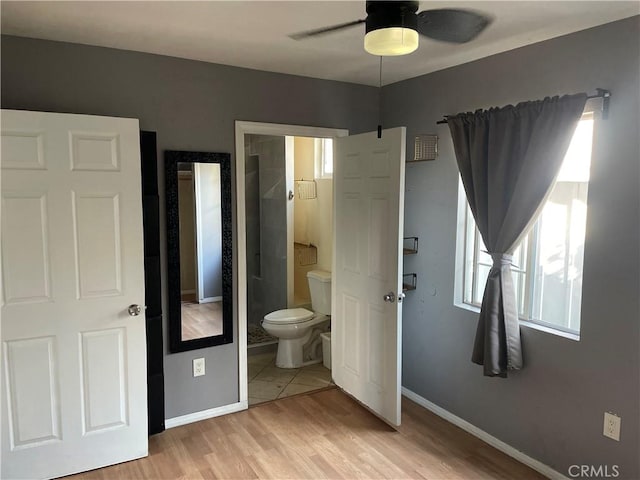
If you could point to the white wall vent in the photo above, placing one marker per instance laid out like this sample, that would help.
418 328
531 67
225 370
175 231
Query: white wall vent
426 148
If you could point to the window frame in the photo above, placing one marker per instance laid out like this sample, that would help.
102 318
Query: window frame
527 284
465 294
322 145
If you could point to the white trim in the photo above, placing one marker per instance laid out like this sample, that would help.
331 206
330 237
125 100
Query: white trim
204 414
211 299
484 436
319 159
289 151
459 272
525 323
548 329
257 128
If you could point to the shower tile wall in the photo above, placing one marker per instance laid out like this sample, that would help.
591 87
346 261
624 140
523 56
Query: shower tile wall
266 225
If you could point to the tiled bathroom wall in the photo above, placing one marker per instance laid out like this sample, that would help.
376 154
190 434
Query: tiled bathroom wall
266 225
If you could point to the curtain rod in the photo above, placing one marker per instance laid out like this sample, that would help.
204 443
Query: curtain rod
600 93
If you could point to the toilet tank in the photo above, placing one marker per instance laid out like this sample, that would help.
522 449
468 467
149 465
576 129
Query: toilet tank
320 288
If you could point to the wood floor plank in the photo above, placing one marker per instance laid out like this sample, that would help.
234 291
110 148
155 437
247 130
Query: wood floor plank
328 469
322 435
235 467
200 319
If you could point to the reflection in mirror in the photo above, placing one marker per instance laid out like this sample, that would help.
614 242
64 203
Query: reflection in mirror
199 249
200 227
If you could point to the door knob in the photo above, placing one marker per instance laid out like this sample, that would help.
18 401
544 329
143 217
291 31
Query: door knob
390 297
401 296
134 310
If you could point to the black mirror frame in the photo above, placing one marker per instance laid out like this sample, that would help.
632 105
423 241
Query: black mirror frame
171 159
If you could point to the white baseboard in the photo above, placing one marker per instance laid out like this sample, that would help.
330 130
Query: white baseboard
205 414
211 300
484 436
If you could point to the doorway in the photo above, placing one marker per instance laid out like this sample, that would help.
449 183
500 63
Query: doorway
289 198
275 251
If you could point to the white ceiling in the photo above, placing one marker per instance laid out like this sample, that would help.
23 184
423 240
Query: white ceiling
253 34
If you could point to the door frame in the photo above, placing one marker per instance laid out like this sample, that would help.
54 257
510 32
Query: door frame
153 281
243 128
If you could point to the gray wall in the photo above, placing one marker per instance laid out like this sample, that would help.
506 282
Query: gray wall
186 232
553 409
192 106
211 229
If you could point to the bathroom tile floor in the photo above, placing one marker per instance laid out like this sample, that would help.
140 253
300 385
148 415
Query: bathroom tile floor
268 382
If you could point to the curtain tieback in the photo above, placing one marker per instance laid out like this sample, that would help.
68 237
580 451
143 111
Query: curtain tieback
505 295
501 259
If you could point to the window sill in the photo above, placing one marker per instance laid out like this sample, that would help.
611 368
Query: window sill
543 328
526 323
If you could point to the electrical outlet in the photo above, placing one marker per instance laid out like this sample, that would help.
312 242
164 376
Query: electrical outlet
198 367
612 426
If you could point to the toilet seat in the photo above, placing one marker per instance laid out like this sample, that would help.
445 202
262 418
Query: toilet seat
289 316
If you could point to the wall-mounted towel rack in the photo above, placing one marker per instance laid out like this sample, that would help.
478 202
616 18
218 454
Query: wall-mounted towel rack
306 189
305 254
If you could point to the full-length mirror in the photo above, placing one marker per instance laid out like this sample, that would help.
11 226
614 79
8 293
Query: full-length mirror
198 192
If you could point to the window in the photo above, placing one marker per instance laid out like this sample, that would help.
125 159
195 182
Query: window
324 157
547 265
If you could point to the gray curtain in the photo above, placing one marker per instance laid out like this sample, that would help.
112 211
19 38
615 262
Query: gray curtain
509 158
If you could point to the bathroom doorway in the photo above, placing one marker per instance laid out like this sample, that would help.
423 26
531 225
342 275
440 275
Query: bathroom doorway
289 200
288 205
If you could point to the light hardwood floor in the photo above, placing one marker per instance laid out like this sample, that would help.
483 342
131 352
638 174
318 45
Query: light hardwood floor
201 319
320 435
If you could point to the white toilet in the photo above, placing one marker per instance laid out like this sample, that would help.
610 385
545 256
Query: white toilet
298 329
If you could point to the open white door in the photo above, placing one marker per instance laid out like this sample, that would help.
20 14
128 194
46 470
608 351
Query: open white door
367 276
74 393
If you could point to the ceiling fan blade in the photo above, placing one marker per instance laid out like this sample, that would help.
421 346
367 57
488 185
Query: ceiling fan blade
452 25
320 31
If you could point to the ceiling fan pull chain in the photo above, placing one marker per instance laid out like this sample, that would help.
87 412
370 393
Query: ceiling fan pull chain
380 101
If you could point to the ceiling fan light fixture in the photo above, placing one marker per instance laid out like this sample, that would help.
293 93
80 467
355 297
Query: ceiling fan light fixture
391 41
391 28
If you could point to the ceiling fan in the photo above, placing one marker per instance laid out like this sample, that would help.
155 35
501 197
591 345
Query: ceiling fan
393 27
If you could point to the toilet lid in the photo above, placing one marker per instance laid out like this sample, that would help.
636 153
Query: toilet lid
290 315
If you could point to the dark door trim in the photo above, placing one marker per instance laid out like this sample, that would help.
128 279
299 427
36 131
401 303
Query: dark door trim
152 282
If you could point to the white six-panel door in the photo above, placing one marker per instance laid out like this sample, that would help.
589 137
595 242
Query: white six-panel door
73 359
366 329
